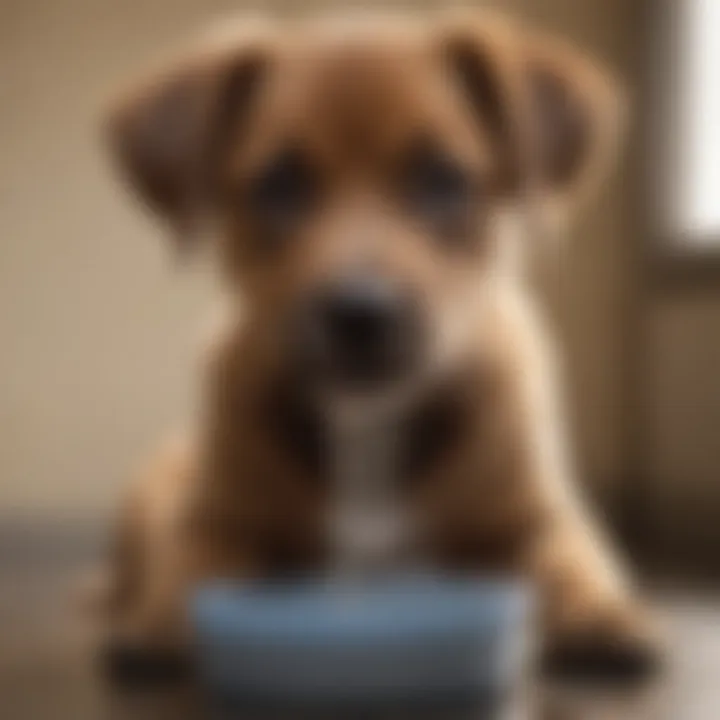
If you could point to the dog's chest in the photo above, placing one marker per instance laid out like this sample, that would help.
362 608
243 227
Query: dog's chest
423 438
371 475
369 521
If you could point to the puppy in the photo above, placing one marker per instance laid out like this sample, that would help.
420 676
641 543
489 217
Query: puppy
368 182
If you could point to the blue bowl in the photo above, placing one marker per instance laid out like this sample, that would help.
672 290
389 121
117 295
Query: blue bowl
421 641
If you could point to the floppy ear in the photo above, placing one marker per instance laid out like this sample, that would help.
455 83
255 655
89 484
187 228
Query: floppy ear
556 115
577 115
167 133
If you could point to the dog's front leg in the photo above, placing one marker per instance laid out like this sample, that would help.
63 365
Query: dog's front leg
166 543
594 627
150 638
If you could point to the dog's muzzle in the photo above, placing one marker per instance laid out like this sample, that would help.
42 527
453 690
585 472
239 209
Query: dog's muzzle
358 333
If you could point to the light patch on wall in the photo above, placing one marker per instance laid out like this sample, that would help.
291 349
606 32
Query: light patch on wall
698 211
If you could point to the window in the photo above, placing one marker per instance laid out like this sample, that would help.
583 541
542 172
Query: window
691 100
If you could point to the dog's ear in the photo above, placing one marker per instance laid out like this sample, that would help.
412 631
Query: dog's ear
556 114
167 132
577 115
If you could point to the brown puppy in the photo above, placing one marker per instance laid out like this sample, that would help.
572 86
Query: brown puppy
368 181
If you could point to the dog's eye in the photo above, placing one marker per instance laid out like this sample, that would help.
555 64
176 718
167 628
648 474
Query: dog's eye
283 190
438 189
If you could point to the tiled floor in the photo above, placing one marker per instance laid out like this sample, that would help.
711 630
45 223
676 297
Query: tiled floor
45 673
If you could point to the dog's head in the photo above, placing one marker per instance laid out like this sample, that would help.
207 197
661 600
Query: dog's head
361 175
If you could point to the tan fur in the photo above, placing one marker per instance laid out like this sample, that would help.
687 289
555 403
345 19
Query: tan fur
229 500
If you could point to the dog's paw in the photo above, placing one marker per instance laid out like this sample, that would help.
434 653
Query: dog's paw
129 665
612 662
620 649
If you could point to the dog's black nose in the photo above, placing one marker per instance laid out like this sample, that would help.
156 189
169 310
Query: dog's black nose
361 315
365 329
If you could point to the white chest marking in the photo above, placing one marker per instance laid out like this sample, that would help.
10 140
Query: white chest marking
370 526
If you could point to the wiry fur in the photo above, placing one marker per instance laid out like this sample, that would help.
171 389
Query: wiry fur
233 499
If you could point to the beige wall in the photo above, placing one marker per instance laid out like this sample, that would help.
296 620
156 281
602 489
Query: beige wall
683 390
97 330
